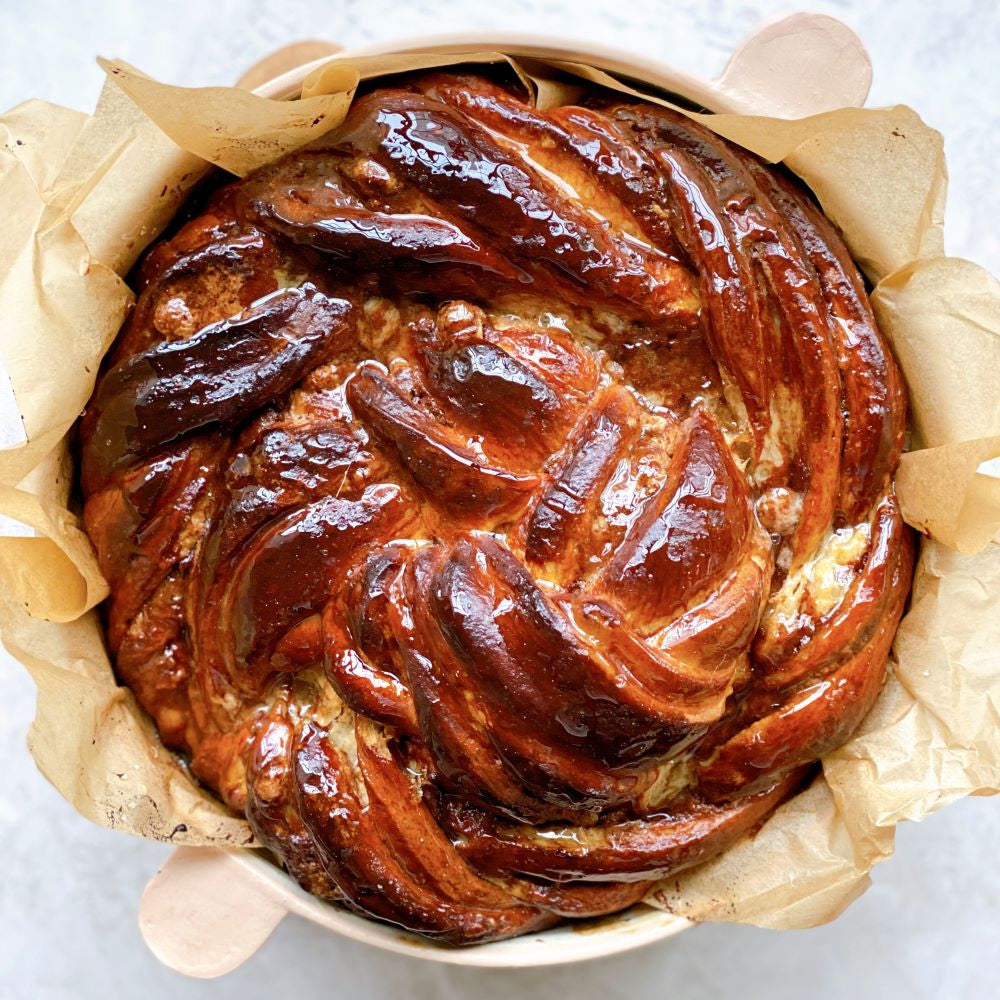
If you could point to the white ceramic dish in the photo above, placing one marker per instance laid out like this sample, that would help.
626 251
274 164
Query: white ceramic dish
206 911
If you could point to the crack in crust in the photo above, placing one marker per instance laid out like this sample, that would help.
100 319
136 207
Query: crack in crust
497 504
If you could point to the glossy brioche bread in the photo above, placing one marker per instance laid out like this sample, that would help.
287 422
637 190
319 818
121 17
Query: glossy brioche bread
497 505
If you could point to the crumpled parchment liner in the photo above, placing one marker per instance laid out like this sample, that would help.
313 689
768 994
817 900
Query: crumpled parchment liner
83 196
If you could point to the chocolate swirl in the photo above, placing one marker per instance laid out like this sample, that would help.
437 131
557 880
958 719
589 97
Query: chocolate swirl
497 504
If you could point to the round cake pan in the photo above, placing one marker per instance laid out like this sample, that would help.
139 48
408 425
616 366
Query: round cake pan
208 910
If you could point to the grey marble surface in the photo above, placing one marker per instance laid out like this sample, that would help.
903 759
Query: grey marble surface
929 927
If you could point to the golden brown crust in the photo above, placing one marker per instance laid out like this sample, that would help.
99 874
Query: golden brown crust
497 504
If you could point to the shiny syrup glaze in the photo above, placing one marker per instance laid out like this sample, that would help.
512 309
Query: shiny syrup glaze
497 504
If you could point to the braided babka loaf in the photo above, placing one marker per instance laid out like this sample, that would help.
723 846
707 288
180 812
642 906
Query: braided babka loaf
497 505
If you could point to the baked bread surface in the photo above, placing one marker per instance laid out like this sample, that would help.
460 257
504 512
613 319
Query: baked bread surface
497 504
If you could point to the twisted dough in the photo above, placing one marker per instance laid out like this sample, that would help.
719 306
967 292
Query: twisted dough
497 504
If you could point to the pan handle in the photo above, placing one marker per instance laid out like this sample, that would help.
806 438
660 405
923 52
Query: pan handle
801 65
282 60
203 914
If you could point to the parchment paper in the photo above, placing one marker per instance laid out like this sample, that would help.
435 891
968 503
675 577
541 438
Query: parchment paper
83 196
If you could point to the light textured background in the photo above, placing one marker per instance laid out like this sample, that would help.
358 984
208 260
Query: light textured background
930 926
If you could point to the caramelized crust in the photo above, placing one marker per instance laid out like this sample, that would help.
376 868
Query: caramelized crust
497 504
